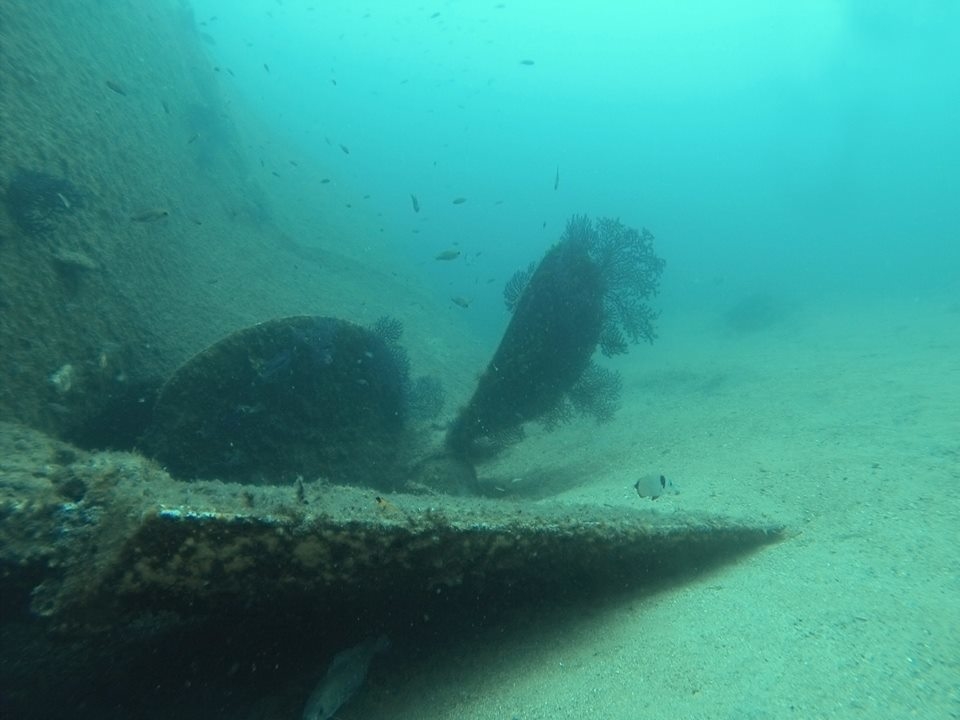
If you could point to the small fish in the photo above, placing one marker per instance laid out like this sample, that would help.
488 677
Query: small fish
150 215
266 67
447 255
459 200
385 506
325 181
556 179
346 150
166 108
193 138
116 87
461 301
653 486
416 203
346 674
64 200
526 62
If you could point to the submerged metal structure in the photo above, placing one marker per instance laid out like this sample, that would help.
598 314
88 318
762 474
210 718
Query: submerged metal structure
129 585
91 539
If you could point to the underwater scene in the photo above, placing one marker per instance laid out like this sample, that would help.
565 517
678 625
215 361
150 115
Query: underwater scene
479 360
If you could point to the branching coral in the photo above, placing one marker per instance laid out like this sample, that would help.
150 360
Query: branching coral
516 285
389 328
426 398
631 273
589 291
596 393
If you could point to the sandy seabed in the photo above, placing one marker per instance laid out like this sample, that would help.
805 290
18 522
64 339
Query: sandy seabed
841 422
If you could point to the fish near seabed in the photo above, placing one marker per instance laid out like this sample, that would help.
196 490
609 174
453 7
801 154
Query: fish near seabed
150 215
116 87
346 674
653 486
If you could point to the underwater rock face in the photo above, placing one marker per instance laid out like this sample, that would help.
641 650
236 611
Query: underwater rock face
302 396
35 200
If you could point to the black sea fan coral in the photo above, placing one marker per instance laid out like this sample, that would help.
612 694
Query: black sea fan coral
597 393
516 285
631 273
552 334
35 199
389 328
589 291
426 398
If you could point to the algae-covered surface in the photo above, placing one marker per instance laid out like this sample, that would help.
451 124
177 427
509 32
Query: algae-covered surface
140 541
97 546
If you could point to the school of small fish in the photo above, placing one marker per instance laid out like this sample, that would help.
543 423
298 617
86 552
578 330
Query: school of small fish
153 214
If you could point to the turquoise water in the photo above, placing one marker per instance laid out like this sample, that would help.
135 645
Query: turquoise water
244 161
806 149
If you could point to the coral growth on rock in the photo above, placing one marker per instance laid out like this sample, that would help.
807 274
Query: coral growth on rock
589 291
631 275
424 395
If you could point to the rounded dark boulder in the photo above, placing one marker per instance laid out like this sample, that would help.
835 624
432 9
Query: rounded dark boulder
302 396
